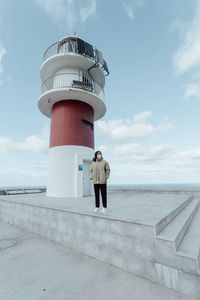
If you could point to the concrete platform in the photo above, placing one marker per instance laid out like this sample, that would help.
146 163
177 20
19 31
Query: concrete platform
140 207
33 268
142 233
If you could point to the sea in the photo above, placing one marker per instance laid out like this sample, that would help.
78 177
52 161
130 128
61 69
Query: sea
159 187
156 187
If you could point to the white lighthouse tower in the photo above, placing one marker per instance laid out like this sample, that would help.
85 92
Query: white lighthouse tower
73 78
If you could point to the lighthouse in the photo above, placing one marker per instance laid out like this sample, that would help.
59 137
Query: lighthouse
73 78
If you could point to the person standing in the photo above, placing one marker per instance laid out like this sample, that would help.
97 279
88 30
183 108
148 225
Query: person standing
99 173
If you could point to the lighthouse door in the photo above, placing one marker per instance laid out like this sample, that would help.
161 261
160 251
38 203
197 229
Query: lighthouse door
86 179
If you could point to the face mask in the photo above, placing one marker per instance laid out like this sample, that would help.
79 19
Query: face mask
99 156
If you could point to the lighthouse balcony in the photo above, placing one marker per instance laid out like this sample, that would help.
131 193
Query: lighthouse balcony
73 81
75 46
72 86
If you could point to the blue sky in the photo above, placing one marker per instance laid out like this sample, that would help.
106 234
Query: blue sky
150 133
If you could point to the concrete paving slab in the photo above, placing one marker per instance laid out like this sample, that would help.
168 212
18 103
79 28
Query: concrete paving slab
139 207
36 268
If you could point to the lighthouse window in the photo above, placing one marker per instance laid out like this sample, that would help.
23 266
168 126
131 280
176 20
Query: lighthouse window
89 50
81 46
85 48
87 124
68 46
72 46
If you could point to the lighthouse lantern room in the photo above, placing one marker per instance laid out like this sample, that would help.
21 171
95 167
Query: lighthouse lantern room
73 77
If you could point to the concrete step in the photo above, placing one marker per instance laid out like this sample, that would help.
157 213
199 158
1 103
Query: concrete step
176 229
190 245
162 223
125 244
168 241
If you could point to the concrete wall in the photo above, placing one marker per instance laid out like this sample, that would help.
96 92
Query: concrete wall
129 246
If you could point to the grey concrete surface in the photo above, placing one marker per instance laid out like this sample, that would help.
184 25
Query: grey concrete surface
179 225
191 242
124 237
140 207
35 268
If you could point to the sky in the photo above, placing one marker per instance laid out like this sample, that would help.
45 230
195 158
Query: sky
150 133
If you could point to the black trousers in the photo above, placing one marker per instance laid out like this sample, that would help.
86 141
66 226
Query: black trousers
103 188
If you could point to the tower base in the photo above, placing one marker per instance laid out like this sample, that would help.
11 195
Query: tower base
68 171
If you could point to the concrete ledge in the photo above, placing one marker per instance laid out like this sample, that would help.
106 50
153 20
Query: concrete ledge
55 272
128 243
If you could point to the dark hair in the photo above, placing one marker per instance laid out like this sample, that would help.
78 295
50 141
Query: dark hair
95 155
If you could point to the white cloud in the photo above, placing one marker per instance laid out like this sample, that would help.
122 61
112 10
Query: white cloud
25 169
6 145
192 90
34 143
102 148
187 55
142 117
22 173
33 170
131 6
2 53
129 9
128 129
59 10
67 12
190 154
179 26
86 12
19 167
145 162
136 163
141 153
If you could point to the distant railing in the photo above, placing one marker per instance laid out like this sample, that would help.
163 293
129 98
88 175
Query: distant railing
73 80
54 49
22 191
77 46
50 51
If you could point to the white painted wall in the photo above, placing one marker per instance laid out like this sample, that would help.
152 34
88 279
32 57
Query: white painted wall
64 177
87 187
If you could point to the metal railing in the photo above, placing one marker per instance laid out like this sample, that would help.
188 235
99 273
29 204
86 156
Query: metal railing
18 191
67 47
71 46
77 81
50 51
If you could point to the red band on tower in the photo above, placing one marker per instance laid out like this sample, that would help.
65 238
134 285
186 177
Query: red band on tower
72 124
